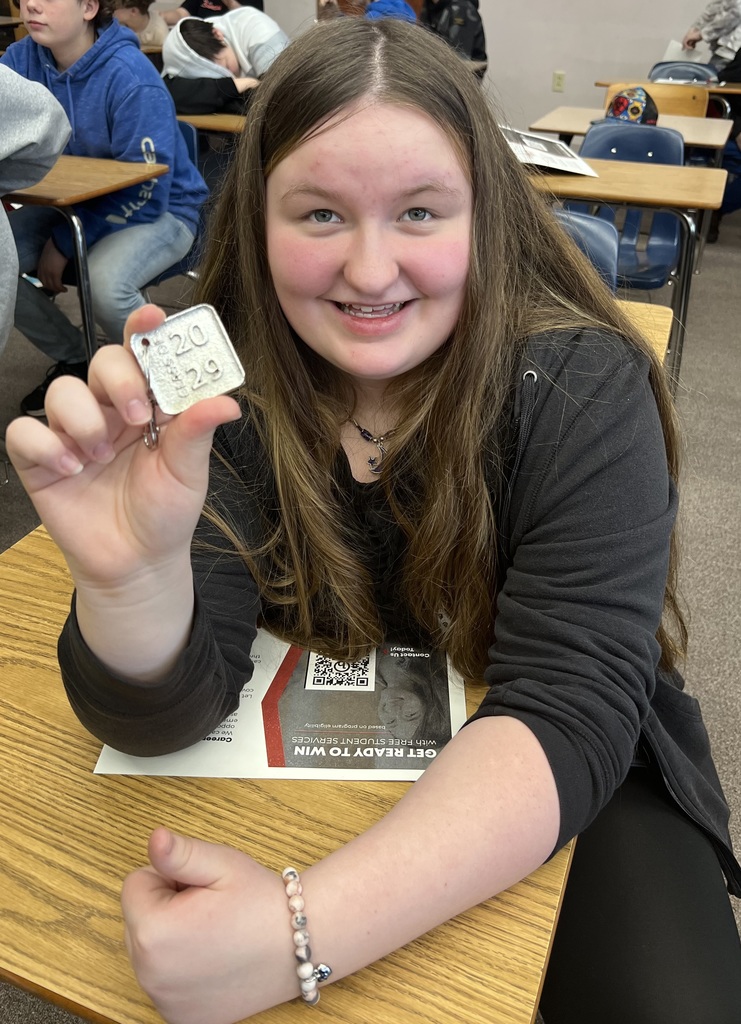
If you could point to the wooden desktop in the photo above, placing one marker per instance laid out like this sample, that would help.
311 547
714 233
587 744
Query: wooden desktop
69 837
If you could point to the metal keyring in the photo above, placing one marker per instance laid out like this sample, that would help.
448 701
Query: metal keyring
151 432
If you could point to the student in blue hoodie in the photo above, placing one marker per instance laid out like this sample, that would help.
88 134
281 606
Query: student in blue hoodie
119 109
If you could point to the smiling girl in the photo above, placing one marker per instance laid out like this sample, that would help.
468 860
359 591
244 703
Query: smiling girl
450 437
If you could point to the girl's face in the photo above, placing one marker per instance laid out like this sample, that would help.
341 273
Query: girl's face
400 708
368 230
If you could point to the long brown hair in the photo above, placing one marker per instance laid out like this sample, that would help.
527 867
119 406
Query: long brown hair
442 476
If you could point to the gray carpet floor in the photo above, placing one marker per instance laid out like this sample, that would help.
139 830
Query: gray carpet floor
709 403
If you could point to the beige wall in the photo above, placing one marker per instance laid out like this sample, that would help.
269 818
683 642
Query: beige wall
291 15
530 39
587 39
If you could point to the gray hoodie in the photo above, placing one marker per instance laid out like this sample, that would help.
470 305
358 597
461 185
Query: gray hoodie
33 131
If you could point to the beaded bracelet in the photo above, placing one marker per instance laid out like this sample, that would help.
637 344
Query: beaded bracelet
309 976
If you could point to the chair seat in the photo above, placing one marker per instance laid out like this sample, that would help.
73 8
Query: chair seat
643 275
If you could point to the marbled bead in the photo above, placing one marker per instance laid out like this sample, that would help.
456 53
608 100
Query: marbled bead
289 875
312 998
305 970
309 985
301 937
303 953
298 921
294 888
295 904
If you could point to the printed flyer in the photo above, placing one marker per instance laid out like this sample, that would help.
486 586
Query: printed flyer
305 716
547 154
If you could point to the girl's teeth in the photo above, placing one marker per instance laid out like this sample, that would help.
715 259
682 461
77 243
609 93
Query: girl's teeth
372 311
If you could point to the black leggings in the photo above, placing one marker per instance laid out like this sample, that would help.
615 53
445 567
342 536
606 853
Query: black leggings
646 933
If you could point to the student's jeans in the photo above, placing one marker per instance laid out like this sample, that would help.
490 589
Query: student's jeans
732 163
120 264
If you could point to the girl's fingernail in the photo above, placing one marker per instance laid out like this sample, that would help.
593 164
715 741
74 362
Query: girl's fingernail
70 465
103 452
137 411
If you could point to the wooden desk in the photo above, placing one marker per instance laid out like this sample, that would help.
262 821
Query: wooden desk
68 838
678 190
653 321
714 88
76 179
9 22
703 132
215 122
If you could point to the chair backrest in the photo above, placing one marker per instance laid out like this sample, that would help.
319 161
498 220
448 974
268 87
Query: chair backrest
643 143
598 239
647 143
682 71
190 135
687 100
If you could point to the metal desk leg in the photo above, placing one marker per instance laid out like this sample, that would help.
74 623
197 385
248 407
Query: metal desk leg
680 305
84 291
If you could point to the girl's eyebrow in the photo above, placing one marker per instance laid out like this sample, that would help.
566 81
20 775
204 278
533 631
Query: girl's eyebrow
305 189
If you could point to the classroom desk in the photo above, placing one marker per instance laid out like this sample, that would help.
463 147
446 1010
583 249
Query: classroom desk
69 837
678 190
76 179
653 321
702 132
714 88
215 122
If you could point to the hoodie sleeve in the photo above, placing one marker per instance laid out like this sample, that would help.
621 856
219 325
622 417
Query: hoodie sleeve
204 686
206 95
35 130
591 515
718 19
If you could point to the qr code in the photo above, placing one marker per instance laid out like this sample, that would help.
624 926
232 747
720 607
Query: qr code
324 674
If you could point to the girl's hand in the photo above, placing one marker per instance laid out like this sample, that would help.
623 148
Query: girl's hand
208 932
115 507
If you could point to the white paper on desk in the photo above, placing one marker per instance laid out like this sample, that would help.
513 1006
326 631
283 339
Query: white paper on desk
675 51
304 717
547 154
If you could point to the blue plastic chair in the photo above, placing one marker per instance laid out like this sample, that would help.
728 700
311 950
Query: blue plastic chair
186 265
598 239
682 71
650 266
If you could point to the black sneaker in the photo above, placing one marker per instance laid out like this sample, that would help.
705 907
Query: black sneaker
33 404
714 228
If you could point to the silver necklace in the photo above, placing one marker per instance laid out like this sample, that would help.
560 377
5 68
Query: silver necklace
374 462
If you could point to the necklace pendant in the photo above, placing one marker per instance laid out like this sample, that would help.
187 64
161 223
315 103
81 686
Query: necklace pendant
374 462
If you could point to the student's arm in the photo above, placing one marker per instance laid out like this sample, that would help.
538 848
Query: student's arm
718 19
172 17
124 516
206 95
483 815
